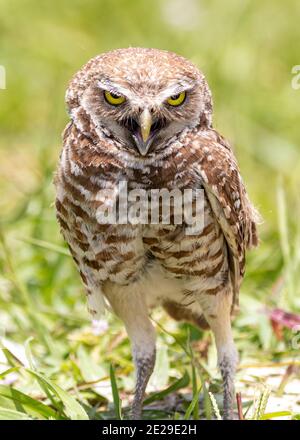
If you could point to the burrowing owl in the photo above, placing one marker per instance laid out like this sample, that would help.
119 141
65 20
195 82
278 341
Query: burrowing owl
144 117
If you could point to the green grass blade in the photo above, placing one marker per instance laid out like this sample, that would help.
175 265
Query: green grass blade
207 402
58 405
192 404
195 391
268 416
29 303
177 385
46 245
8 371
115 393
34 407
73 410
9 414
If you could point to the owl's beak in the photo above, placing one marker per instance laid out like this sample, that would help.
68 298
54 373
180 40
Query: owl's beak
144 138
145 124
144 130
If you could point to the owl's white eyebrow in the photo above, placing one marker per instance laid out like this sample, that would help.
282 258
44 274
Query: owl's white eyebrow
108 85
175 90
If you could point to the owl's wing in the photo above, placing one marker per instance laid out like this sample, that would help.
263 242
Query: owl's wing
230 204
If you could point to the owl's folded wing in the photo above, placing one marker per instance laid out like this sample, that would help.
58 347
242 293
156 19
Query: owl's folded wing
230 204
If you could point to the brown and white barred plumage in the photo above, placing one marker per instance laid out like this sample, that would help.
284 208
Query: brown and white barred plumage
133 268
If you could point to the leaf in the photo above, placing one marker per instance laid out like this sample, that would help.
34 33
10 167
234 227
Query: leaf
265 332
177 385
160 374
28 353
268 416
20 399
9 414
207 401
89 370
46 245
73 409
194 376
195 387
192 404
115 393
45 388
8 371
14 353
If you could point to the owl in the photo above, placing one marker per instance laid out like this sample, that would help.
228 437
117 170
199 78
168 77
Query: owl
144 117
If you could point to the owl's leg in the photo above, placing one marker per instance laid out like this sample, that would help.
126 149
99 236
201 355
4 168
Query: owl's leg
132 309
216 309
144 367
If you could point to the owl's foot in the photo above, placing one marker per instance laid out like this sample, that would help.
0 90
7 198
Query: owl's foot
144 369
228 358
216 310
227 364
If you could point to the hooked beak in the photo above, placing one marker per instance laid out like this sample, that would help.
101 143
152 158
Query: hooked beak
144 139
145 124
144 130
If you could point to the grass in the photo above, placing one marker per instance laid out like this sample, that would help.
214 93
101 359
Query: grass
55 363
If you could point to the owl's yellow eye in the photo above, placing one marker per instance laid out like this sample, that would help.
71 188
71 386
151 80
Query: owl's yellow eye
113 98
176 100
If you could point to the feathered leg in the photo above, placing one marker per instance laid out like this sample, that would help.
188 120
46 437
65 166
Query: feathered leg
132 309
216 309
144 367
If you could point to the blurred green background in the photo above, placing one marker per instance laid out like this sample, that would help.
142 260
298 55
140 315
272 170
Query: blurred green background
246 50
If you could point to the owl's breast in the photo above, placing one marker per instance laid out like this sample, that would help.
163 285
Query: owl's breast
200 256
121 252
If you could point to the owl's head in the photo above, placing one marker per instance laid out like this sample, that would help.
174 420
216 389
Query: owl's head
140 97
